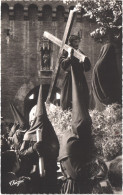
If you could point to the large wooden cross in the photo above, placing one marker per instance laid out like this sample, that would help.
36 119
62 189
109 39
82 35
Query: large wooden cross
62 44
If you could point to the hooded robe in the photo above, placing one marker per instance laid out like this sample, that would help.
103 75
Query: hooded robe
105 83
18 129
49 149
75 150
78 68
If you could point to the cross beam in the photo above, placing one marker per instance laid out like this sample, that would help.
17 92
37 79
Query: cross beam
58 42
62 43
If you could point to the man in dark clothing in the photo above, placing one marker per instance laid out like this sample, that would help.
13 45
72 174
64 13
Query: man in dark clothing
47 148
67 60
10 183
76 151
105 81
4 144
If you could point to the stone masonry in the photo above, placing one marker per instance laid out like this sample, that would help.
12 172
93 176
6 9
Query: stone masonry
22 27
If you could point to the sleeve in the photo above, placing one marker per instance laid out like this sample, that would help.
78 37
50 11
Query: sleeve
26 149
65 62
87 64
72 166
76 167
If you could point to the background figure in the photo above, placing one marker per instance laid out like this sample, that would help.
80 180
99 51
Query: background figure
4 144
3 127
10 183
16 140
105 83
115 175
66 61
13 129
18 130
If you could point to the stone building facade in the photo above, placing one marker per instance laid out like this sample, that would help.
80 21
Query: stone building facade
23 63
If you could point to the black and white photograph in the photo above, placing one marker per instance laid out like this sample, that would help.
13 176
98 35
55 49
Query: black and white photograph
61 97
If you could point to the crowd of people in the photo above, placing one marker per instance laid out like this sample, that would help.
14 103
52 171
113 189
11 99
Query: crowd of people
19 175
30 155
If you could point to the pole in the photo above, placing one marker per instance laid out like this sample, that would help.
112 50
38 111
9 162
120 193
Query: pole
41 160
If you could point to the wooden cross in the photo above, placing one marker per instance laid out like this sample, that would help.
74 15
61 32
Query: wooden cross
62 44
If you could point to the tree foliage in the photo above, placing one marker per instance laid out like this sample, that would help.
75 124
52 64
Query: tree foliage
106 13
106 128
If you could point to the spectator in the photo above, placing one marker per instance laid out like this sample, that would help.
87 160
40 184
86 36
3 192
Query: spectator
3 126
4 144
10 183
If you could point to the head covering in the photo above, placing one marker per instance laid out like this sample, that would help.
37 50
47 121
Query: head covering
40 117
81 121
42 122
13 129
105 84
73 38
18 117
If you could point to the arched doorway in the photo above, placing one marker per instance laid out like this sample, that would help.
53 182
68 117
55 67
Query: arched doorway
31 99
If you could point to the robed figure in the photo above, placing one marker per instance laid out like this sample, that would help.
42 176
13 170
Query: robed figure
105 81
67 60
18 129
47 148
78 164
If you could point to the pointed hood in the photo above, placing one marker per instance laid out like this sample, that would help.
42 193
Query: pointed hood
18 117
41 109
13 129
80 115
40 118
42 122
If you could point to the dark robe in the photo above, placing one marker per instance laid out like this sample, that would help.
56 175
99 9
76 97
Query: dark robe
78 68
105 84
81 174
49 149
18 117
18 129
76 149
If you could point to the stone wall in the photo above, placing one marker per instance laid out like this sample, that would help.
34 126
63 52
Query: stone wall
22 27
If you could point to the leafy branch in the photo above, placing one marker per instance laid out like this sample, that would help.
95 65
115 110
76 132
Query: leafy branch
106 13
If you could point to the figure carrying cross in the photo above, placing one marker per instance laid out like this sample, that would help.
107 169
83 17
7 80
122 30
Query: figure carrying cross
66 61
69 55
